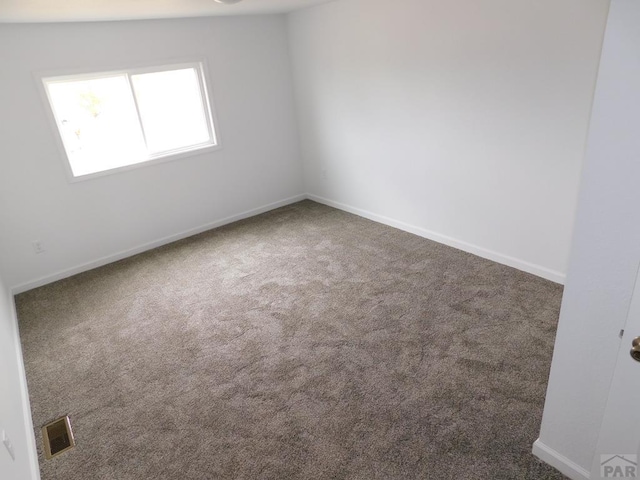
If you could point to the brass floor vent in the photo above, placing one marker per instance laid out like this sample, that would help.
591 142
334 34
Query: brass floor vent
57 437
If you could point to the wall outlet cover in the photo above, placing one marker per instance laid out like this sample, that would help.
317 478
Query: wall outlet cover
8 445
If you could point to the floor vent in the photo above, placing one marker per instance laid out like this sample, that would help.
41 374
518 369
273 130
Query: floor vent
57 437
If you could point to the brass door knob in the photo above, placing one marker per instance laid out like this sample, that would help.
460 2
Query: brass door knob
635 349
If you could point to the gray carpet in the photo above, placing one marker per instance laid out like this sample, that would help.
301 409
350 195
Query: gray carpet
305 343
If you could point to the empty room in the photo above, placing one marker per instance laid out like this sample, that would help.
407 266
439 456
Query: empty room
319 239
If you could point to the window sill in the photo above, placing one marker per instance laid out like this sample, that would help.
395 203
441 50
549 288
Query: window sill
147 162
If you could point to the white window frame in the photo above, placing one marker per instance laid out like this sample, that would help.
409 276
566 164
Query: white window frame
200 67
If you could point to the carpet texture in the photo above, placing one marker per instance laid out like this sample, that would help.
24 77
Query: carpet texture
305 343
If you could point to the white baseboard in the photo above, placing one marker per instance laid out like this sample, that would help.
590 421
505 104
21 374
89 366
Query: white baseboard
32 452
538 270
151 245
549 456
452 242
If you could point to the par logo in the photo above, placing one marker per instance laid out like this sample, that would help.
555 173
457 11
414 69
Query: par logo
619 466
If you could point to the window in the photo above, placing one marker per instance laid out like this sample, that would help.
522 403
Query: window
112 120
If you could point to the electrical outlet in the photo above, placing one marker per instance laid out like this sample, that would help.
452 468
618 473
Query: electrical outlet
38 247
8 445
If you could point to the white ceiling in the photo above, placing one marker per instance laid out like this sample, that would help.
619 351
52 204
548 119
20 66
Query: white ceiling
90 10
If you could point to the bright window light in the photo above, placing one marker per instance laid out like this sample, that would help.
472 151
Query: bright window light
113 120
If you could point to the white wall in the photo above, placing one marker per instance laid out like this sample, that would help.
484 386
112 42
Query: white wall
605 252
82 222
462 120
15 416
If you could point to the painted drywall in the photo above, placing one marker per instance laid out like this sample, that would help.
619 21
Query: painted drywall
27 11
605 252
15 415
80 223
462 120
